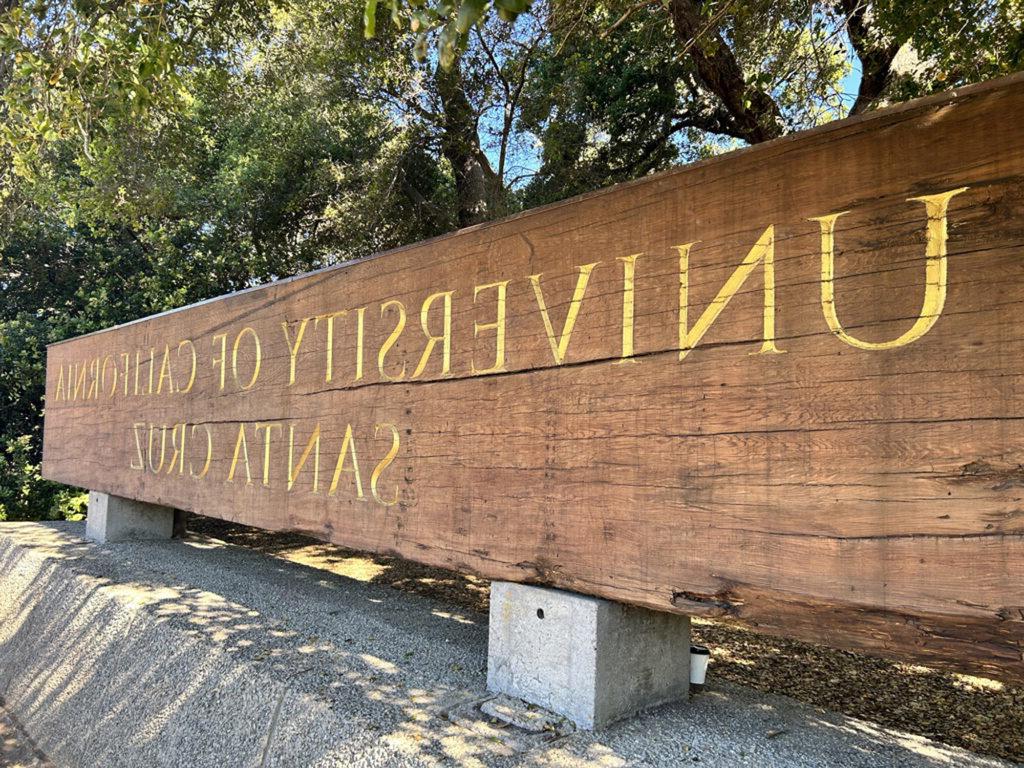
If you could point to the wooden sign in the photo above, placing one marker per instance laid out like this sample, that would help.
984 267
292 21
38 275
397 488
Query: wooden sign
783 386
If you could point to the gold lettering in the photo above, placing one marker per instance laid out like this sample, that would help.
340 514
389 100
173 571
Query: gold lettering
240 445
384 464
445 337
192 373
124 371
94 384
763 250
498 326
79 381
293 349
178 457
313 445
360 315
234 358
348 444
935 273
152 361
628 305
209 453
266 449
329 319
60 394
390 342
136 427
103 375
561 346
163 448
222 360
165 373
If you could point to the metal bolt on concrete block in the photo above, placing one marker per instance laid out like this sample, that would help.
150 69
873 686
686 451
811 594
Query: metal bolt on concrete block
591 660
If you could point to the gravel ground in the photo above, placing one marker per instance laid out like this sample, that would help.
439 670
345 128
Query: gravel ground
984 716
16 749
208 655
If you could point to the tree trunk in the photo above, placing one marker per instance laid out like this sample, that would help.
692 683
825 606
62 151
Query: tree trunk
478 188
875 53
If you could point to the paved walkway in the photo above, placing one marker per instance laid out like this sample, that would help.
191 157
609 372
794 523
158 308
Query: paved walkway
202 654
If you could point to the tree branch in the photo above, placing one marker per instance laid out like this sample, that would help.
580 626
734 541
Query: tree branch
754 114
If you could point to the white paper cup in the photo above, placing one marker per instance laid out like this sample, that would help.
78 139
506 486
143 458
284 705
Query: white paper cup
699 658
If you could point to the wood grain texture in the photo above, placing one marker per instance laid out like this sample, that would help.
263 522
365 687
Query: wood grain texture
869 498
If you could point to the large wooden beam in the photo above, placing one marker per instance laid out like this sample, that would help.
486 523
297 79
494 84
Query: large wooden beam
705 392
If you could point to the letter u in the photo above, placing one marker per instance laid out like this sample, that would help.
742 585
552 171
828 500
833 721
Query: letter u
935 274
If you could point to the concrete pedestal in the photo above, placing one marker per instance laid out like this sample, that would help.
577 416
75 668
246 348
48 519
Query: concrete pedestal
590 660
114 518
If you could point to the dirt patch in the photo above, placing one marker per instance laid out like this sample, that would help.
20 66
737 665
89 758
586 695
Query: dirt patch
975 713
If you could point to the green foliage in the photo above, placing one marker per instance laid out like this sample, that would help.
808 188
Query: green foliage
25 495
611 98
606 107
55 282
953 43
275 165
155 153
78 71
23 492
453 19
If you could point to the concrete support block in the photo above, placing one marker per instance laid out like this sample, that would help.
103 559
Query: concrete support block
114 518
590 660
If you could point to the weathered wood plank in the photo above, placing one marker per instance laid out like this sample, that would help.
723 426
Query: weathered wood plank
834 455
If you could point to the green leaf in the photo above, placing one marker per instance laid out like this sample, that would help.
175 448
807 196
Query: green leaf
470 13
370 19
